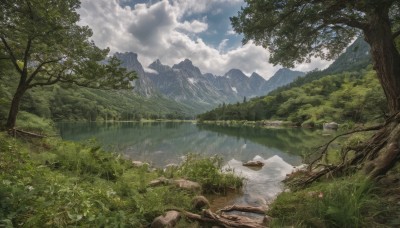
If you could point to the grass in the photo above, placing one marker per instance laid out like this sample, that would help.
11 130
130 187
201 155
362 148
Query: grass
346 202
50 182
207 172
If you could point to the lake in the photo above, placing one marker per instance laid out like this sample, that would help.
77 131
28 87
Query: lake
162 143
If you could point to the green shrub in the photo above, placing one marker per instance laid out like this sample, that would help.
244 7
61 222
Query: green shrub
207 172
31 122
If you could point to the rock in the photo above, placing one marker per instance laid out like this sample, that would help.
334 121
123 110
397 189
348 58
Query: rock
330 126
168 220
187 185
159 181
139 163
253 163
267 220
200 202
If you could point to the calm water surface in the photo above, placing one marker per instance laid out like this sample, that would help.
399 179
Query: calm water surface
162 143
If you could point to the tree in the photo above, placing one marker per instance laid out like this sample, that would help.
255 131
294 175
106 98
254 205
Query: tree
296 30
44 43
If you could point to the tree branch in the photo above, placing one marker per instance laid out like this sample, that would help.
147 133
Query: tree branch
11 53
325 147
26 55
37 70
49 81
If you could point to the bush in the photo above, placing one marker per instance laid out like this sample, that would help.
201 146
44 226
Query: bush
207 172
34 123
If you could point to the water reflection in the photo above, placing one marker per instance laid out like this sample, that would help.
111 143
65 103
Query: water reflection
161 143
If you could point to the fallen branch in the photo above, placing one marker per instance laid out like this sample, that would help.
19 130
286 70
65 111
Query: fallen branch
255 210
17 132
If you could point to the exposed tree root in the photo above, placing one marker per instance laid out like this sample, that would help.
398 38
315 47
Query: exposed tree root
255 210
375 156
225 220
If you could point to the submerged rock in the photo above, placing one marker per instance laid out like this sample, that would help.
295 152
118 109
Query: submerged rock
168 220
254 163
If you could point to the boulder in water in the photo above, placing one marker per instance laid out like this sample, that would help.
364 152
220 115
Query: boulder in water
254 163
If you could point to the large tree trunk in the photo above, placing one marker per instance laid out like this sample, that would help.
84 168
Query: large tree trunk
386 58
382 151
12 115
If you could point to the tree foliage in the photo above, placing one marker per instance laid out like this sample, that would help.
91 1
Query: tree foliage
43 41
294 31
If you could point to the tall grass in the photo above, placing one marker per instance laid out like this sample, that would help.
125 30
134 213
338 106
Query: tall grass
340 203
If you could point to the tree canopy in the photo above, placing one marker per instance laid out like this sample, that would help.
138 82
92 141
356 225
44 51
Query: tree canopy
46 45
296 30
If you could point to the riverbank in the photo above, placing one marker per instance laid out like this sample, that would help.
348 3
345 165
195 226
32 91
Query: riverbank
50 182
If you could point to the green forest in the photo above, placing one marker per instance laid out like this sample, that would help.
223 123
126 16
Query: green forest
346 98
51 70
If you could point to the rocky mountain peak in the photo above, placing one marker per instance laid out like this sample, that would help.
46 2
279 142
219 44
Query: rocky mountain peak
159 67
256 77
188 66
236 74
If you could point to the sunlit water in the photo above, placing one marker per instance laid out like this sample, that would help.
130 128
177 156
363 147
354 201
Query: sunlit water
163 143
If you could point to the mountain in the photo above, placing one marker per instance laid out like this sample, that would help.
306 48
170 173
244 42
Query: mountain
143 85
318 97
356 57
282 77
186 84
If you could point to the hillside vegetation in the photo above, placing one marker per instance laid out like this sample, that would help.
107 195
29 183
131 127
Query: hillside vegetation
69 102
347 97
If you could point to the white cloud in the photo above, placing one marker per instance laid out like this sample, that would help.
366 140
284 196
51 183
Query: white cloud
222 45
158 31
194 26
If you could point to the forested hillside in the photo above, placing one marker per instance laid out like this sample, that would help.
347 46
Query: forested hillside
69 102
347 91
346 97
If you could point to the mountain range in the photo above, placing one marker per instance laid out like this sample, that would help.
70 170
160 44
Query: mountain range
186 84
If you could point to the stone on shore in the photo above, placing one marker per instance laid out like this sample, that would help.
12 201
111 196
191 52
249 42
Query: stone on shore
187 185
330 126
200 202
168 220
139 164
159 181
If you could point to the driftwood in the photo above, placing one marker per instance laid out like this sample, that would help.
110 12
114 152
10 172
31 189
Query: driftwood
225 220
255 210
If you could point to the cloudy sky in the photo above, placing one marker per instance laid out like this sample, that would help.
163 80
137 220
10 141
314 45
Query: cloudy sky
172 30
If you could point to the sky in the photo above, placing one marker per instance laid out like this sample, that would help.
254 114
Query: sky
174 30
